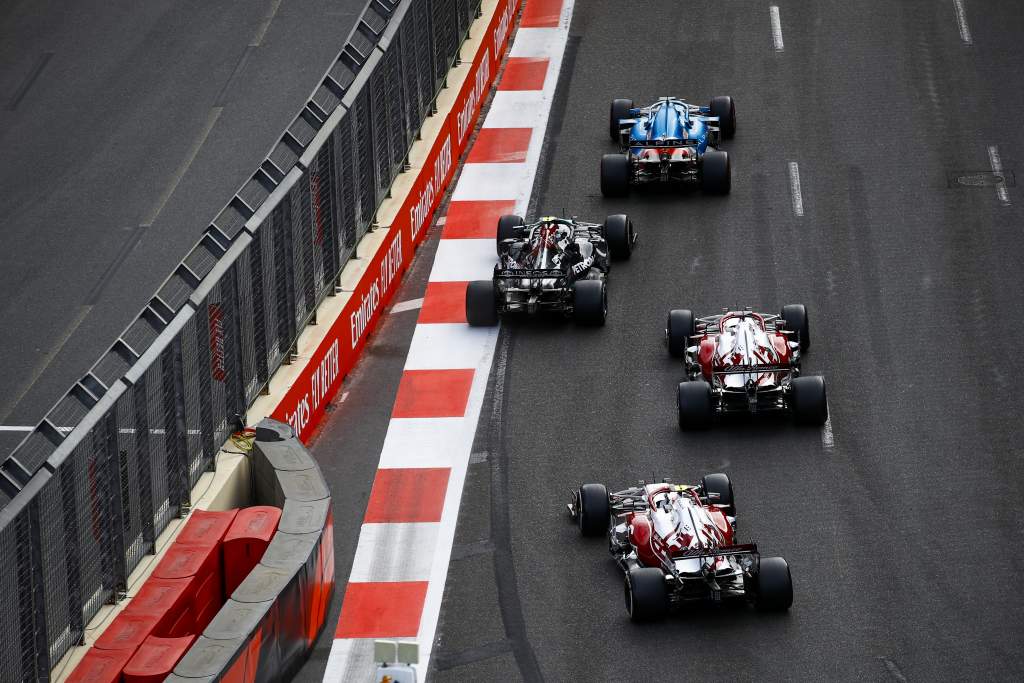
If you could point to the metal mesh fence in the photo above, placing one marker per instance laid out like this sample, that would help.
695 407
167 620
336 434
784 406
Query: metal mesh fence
88 492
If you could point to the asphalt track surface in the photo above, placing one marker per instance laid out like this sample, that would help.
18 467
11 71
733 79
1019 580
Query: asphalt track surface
903 529
124 128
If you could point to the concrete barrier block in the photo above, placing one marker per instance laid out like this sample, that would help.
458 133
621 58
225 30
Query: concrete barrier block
300 517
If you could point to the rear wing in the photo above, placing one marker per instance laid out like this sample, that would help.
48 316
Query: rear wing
753 369
529 273
729 550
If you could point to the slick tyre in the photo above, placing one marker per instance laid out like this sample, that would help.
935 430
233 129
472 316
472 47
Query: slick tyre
646 594
718 489
615 175
716 172
725 109
680 327
774 585
694 402
594 512
590 302
481 304
797 321
810 404
508 228
618 232
619 110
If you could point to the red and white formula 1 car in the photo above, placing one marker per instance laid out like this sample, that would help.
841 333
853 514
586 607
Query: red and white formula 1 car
744 362
676 544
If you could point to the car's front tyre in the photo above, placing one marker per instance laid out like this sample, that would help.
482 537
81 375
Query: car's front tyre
593 511
618 233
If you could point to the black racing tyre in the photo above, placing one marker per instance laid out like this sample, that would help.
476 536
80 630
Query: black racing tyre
646 594
716 172
619 110
594 512
718 489
808 400
695 407
618 232
680 327
797 321
615 175
590 302
774 585
508 228
725 109
481 305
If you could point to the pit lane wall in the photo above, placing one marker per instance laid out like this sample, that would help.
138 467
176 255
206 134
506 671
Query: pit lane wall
265 630
373 278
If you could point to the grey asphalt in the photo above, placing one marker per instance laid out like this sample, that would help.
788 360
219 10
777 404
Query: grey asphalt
124 129
905 536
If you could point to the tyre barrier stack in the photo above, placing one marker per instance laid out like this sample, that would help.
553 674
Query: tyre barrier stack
241 594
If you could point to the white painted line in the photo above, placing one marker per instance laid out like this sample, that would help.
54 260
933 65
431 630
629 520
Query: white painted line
794 188
961 21
776 28
16 429
344 395
534 42
410 305
827 440
449 346
395 552
425 442
517 109
464 260
493 181
997 169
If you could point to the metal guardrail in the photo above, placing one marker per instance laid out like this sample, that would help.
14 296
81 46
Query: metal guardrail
88 491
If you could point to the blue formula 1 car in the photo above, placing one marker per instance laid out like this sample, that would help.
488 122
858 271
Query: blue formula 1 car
669 141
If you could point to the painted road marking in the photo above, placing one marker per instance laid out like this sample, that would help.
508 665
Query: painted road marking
776 28
827 440
997 169
961 21
794 188
410 305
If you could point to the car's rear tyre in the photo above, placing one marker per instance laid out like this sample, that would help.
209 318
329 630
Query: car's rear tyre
718 489
695 408
774 585
594 511
619 110
797 321
615 175
508 228
716 172
618 232
809 401
680 327
646 594
590 302
725 109
481 305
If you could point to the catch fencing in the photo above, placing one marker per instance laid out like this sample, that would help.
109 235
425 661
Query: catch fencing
88 491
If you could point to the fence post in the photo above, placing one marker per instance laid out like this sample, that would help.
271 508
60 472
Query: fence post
178 489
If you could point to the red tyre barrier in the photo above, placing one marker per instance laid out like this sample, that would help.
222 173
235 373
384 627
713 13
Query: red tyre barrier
127 631
155 659
246 541
206 528
169 601
100 666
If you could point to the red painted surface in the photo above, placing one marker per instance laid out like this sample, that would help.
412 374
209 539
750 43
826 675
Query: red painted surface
246 541
100 666
382 610
407 495
183 560
169 600
156 658
475 219
500 146
541 14
433 393
444 302
524 73
127 631
206 528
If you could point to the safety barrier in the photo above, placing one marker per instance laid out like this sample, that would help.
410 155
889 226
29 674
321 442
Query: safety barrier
89 490
267 628
261 575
